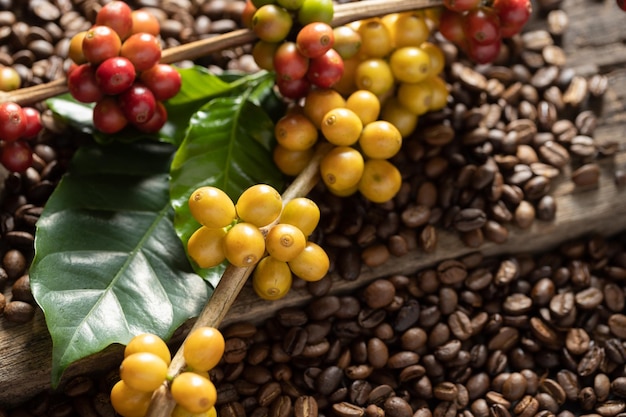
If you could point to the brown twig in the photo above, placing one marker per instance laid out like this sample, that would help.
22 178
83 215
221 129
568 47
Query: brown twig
228 288
344 13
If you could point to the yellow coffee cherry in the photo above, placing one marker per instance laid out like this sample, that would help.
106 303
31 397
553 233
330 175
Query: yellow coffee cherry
341 168
374 75
259 204
398 115
193 392
303 213
381 180
409 29
312 264
365 104
143 371
148 342
212 207
129 402
437 58
203 348
380 140
376 40
341 126
416 97
271 279
291 162
409 64
295 132
244 245
284 241
440 94
205 246
320 101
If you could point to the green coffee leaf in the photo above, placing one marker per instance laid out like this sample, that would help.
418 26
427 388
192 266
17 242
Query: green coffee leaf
108 262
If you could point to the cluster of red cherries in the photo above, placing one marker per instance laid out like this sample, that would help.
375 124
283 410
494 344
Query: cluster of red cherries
478 29
295 40
18 125
116 65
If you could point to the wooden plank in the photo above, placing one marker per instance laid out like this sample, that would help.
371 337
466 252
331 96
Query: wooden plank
594 40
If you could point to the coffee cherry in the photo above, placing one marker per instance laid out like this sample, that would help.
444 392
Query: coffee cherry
244 245
291 162
100 43
203 348
271 279
381 180
163 80
9 79
341 168
451 26
380 140
156 122
193 392
365 105
212 207
128 402
483 53
143 50
289 63
513 15
12 121
375 75
108 116
75 52
145 22
137 103
116 15
409 29
82 84
402 118
303 213
416 97
482 26
316 11
259 205
151 343
33 122
293 89
347 41
115 75
409 64
341 126
315 39
143 371
295 132
376 40
326 70
271 23
318 102
16 156
205 246
312 264
284 241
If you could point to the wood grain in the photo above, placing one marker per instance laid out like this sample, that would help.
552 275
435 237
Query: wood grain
594 41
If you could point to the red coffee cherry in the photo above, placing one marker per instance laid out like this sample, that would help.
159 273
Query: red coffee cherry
82 84
116 15
326 70
115 75
33 122
100 43
163 80
137 103
315 39
16 156
12 121
143 50
108 116
156 122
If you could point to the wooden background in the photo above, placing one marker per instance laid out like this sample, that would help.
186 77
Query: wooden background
594 41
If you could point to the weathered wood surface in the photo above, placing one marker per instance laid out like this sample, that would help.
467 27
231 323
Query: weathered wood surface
594 41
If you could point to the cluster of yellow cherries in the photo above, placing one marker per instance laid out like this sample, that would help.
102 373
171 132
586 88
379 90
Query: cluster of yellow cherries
390 79
260 230
145 368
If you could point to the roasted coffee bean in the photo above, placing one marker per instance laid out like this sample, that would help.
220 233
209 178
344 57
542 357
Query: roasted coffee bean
469 219
379 293
602 386
554 154
19 311
345 409
397 407
577 341
546 208
617 325
591 361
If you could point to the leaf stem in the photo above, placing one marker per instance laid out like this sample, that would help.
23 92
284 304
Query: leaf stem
344 13
227 290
